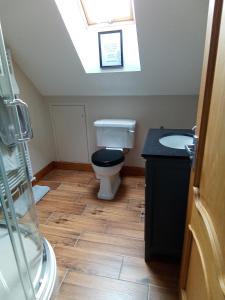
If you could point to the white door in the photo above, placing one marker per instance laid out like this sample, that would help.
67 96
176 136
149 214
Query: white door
70 131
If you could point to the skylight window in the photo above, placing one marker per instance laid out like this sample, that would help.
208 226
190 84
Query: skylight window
120 14
107 11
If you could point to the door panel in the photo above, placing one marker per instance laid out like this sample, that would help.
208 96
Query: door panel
203 231
208 69
203 265
213 191
70 133
197 282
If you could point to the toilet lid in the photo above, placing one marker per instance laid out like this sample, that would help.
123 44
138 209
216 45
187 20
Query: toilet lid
107 158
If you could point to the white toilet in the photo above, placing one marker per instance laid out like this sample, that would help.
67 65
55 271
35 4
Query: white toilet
114 136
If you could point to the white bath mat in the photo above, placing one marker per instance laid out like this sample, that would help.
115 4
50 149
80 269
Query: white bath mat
39 191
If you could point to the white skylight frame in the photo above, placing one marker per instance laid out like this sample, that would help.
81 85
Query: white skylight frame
109 12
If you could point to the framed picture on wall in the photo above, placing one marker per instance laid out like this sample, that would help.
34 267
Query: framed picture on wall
110 49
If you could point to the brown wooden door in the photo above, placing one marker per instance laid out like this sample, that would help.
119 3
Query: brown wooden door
203 264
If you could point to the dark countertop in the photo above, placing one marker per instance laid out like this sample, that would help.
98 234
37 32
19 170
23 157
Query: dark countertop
153 148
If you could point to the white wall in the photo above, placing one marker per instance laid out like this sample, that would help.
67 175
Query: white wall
149 111
171 38
41 146
76 25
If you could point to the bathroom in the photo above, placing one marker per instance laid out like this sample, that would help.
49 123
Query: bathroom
99 243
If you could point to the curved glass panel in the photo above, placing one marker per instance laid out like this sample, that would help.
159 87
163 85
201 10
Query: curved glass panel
10 284
20 239
20 220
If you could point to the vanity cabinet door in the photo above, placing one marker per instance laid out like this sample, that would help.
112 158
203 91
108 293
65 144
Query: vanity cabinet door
166 200
147 212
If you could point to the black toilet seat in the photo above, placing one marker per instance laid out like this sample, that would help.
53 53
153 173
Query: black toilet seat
107 157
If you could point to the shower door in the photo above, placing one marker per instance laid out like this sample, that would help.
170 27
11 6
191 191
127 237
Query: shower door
21 246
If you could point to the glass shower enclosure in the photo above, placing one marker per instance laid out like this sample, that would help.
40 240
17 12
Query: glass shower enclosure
27 261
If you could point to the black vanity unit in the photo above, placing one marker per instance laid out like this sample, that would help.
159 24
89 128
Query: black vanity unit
167 180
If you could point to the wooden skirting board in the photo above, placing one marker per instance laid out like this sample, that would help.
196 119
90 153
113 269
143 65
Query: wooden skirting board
126 170
40 174
72 166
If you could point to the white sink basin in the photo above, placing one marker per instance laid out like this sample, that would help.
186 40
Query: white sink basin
176 141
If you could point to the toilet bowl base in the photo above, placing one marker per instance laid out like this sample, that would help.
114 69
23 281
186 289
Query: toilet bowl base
108 186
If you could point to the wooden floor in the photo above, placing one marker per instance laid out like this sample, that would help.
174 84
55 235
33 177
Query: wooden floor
99 245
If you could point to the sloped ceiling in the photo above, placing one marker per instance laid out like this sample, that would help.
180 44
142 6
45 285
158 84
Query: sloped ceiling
171 41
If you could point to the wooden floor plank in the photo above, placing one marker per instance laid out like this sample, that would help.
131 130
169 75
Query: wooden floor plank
136 205
73 292
52 184
79 188
89 262
43 215
69 176
159 293
130 193
60 206
58 195
107 243
132 229
106 213
60 276
93 200
59 235
78 223
99 244
133 181
95 287
161 274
